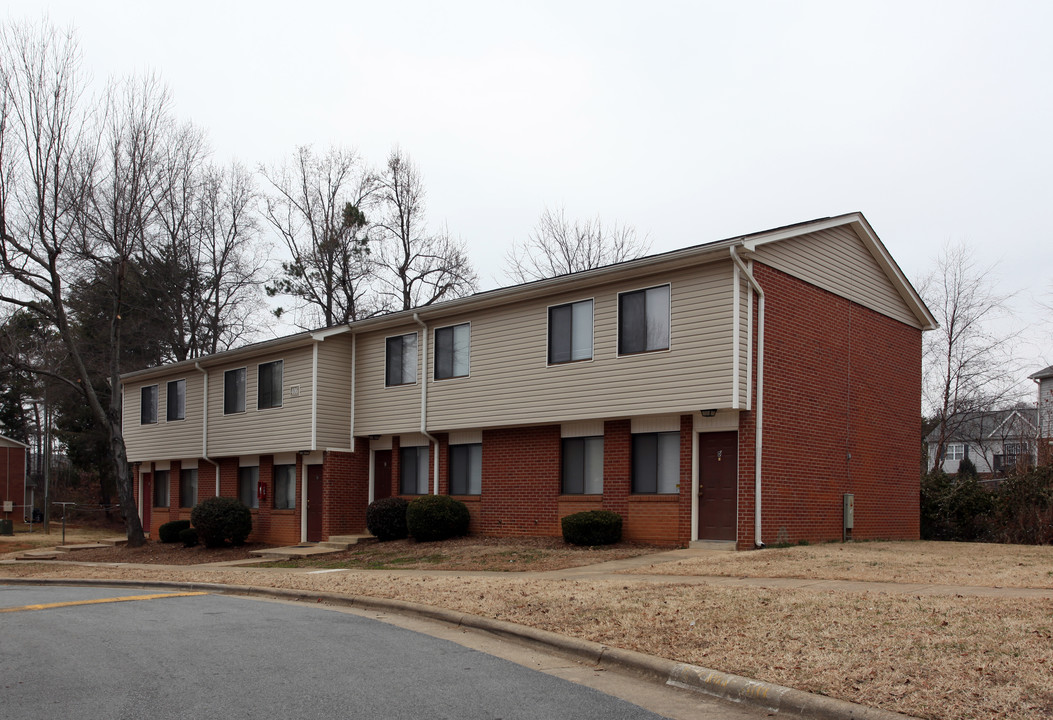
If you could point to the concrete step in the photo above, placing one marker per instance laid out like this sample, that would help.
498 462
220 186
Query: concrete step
82 546
39 555
721 545
349 540
114 541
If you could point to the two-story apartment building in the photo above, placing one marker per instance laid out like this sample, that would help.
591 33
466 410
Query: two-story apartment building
732 391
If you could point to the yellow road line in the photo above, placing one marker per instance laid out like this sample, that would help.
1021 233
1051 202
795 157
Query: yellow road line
126 598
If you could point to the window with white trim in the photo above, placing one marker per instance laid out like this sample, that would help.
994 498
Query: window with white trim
148 405
570 332
176 408
413 470
284 487
234 391
466 469
249 486
269 385
656 463
643 320
582 464
452 350
400 360
955 451
161 489
188 488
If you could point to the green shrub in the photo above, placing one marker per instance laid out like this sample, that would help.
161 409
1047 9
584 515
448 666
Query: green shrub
436 517
169 532
967 469
955 508
188 537
220 520
593 527
386 518
1025 508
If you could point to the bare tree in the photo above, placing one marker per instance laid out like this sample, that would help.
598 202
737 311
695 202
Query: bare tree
57 180
229 266
968 364
318 206
417 267
558 247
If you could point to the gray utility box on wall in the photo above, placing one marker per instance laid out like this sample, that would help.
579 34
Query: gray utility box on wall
850 514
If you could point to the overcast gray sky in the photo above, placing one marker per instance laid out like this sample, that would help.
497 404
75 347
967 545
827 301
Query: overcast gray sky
691 121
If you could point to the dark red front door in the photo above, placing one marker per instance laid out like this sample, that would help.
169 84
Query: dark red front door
314 503
148 499
381 474
718 469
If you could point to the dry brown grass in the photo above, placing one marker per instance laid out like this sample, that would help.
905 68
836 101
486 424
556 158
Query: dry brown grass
24 540
932 656
943 563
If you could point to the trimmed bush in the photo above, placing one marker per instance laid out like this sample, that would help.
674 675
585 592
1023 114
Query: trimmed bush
386 518
188 537
593 527
220 520
169 532
436 517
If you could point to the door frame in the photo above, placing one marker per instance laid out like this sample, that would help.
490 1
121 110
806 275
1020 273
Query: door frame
696 481
320 514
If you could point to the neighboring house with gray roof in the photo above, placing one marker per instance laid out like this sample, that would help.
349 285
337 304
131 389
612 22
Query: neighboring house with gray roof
996 441
1044 379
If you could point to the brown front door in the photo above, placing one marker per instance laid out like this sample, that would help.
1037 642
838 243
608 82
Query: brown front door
314 503
148 499
381 474
718 469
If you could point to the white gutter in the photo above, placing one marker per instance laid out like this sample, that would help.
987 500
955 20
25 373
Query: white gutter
424 400
757 541
204 425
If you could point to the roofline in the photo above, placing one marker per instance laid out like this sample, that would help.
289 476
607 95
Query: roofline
16 442
692 255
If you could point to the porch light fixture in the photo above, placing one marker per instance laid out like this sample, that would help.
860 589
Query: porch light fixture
374 437
708 413
305 452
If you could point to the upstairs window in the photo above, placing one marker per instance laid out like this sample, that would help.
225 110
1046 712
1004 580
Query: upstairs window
401 360
234 391
643 320
248 486
452 346
285 487
656 463
413 470
188 488
466 469
570 332
583 465
176 400
148 405
955 451
269 385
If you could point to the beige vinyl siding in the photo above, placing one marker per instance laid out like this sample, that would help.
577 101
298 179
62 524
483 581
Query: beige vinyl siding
334 392
511 383
163 439
836 260
745 291
281 429
381 410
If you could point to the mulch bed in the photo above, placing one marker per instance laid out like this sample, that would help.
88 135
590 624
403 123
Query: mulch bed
154 552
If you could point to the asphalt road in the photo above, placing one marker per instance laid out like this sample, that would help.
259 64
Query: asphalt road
229 657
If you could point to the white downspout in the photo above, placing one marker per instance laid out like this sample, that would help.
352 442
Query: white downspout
759 436
204 424
424 400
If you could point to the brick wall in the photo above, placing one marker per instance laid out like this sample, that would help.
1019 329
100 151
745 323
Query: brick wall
12 478
345 492
842 398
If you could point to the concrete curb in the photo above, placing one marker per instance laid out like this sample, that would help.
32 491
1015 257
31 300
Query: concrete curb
767 696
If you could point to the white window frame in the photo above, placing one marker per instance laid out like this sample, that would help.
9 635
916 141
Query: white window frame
255 500
157 399
244 395
281 384
592 332
955 451
474 485
618 321
435 352
168 401
423 454
292 486
416 358
586 441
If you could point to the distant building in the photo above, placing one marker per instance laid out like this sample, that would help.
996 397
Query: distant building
1044 379
13 475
